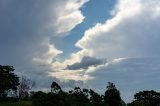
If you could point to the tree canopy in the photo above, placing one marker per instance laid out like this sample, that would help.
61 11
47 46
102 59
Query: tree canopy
55 88
112 96
8 80
148 98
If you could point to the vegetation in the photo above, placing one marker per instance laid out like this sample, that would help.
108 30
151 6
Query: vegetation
8 80
20 103
112 96
10 83
146 98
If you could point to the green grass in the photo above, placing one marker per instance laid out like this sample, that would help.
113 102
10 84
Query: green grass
20 103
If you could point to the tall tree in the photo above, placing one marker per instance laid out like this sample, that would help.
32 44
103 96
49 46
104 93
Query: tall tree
112 96
79 97
95 99
8 80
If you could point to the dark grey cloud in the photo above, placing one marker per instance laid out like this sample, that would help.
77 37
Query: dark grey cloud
86 62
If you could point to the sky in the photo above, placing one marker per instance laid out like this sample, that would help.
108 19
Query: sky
83 43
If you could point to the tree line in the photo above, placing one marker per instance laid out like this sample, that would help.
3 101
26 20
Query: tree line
17 88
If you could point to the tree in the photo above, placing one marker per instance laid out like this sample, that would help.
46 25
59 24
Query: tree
79 97
8 80
49 99
39 98
26 84
86 92
112 96
136 103
55 88
148 98
95 99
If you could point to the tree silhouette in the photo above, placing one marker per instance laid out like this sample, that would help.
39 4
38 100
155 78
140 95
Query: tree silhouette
8 80
55 88
79 97
112 96
148 98
95 99
86 92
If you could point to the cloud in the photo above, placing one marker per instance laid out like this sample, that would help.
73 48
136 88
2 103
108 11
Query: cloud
131 32
130 42
44 57
29 29
86 62
130 75
66 75
71 16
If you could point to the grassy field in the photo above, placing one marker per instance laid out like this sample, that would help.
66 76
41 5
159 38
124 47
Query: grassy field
20 103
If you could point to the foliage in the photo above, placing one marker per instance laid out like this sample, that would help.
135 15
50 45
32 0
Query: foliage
55 88
8 80
112 96
76 97
95 99
79 97
136 103
19 103
48 99
148 98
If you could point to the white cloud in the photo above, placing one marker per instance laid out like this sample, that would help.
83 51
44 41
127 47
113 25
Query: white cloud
68 15
66 75
132 32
